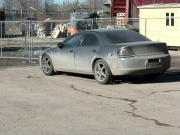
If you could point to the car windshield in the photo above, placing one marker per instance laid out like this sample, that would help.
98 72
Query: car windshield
124 36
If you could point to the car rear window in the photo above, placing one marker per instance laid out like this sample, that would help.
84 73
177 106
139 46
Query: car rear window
124 36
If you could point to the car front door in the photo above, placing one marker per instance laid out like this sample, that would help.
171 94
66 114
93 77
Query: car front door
86 52
64 58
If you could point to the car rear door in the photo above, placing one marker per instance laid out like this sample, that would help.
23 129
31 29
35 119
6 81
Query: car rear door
86 52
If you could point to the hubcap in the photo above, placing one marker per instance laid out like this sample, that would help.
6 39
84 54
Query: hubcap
46 65
100 72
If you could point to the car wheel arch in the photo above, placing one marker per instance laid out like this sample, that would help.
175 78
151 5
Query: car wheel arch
94 61
51 60
102 72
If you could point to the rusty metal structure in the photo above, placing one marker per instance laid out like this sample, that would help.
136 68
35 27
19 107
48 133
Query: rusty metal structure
129 7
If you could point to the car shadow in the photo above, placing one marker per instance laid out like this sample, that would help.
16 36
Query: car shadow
91 77
167 77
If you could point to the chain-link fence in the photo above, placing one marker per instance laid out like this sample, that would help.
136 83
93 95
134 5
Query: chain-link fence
23 39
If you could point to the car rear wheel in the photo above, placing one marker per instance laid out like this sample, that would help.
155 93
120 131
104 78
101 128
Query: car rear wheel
102 72
47 66
151 76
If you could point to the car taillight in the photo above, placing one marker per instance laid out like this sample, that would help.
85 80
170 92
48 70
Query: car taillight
125 52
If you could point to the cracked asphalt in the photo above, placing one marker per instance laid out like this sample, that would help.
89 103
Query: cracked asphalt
72 104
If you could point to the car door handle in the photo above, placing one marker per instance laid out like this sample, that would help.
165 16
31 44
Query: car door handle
93 50
71 51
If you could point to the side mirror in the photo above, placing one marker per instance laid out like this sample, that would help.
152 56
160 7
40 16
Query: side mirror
60 45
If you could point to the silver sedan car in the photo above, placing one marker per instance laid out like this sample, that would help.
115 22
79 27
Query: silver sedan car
107 53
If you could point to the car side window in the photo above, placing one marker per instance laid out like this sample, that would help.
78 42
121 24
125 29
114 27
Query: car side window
90 40
73 41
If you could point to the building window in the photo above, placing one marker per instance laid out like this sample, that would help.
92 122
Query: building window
172 19
167 19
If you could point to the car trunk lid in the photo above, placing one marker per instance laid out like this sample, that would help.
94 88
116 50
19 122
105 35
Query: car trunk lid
148 48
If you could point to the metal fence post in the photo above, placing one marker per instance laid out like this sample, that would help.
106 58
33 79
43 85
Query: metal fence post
145 26
51 32
121 23
29 36
25 31
91 23
31 49
114 22
1 38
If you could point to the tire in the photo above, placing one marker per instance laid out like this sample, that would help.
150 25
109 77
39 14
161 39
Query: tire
102 72
47 66
151 76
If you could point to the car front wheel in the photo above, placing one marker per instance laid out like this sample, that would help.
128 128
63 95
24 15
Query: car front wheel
102 72
47 66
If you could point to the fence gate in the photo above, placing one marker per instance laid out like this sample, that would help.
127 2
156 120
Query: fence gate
14 43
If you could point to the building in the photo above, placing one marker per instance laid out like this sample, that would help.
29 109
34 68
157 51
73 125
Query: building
129 7
161 22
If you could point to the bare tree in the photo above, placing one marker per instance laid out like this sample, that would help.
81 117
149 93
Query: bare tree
89 6
68 6
20 4
43 9
27 8
95 5
48 5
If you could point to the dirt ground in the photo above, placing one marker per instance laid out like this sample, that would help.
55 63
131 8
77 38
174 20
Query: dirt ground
70 104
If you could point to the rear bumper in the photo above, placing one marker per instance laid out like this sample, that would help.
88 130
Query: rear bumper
137 65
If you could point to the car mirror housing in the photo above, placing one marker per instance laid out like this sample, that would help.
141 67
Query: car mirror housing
60 45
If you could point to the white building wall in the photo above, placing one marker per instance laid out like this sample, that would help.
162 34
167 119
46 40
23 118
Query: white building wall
153 23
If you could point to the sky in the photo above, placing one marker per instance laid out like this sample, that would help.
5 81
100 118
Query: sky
58 1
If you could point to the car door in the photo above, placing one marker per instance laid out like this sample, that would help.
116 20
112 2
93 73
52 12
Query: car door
86 52
64 58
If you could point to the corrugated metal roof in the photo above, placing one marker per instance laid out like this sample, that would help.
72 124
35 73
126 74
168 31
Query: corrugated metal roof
146 2
169 5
